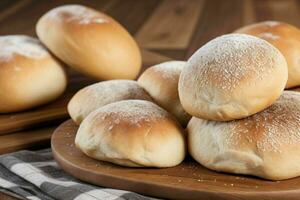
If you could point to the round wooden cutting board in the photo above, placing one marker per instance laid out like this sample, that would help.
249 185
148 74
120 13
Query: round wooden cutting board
188 180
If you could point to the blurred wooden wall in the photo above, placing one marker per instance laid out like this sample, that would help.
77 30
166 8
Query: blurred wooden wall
175 28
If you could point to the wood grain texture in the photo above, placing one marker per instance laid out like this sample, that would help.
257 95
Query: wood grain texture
131 13
176 54
23 21
41 116
6 196
263 10
14 8
37 138
34 118
150 58
249 13
55 111
188 180
171 25
217 19
287 10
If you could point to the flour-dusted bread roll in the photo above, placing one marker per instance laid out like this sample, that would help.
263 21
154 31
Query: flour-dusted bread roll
134 133
232 77
90 41
266 144
29 75
161 82
287 40
99 94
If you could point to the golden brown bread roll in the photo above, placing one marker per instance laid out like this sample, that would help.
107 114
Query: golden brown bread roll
132 133
266 144
99 94
232 77
286 38
90 41
29 75
161 82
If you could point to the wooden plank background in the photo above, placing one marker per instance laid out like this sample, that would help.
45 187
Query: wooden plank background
172 28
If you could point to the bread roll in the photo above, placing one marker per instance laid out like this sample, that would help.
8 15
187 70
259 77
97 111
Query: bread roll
29 75
286 38
90 41
161 82
266 144
232 77
132 133
94 96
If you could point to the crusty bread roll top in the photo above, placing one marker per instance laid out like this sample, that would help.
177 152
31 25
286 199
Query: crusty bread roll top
99 94
90 41
231 77
133 133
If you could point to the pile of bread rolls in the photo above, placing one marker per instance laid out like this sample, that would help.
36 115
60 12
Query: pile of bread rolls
226 105
133 123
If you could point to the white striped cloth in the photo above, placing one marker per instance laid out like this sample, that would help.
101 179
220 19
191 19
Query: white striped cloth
35 175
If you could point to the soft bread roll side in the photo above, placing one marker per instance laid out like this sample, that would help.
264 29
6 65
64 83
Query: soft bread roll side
161 82
29 75
90 41
99 94
231 77
266 144
132 133
286 38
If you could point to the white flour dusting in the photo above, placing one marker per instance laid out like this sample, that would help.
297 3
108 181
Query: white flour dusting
114 90
229 59
272 23
169 70
81 14
133 112
20 45
268 35
276 126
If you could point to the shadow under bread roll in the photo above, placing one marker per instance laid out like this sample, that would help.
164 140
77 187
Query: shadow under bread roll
29 75
90 41
134 133
266 144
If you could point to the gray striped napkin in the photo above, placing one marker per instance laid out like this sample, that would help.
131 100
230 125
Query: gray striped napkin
35 175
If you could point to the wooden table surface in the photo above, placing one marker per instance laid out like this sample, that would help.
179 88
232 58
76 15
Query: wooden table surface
174 28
